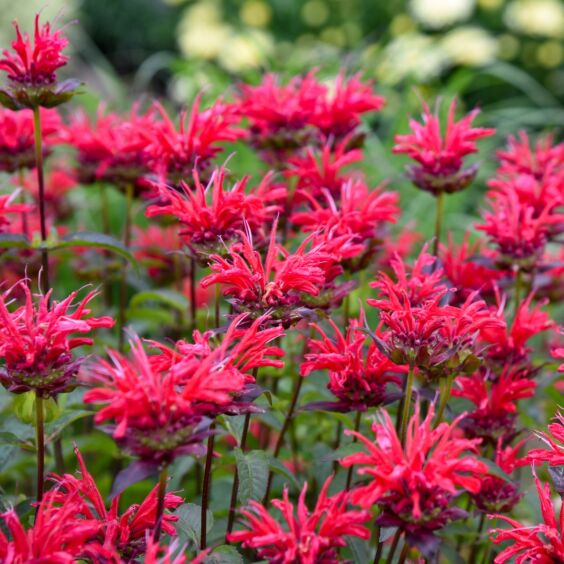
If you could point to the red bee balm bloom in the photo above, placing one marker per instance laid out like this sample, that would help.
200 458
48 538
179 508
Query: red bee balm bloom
440 158
35 341
123 536
17 137
8 207
308 538
196 142
275 284
554 455
32 67
358 378
157 402
415 485
208 228
538 543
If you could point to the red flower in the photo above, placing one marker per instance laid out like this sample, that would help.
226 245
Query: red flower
35 340
495 401
7 207
518 230
280 115
58 536
468 267
338 113
320 170
558 352
359 212
357 377
176 152
414 486
419 331
111 148
554 455
212 217
32 69
157 402
538 543
35 63
307 538
17 137
273 285
441 157
123 536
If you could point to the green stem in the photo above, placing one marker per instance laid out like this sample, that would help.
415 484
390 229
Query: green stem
193 307
446 387
104 212
206 488
438 223
476 545
406 404
45 284
336 446
289 415
122 317
163 476
393 548
40 444
356 428
235 488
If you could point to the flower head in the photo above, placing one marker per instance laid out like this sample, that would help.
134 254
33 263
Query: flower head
36 343
198 139
441 158
554 454
276 284
358 375
17 141
212 217
32 67
414 485
308 537
538 543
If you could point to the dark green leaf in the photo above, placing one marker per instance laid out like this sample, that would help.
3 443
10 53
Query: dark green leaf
170 298
224 555
189 525
96 240
14 241
359 549
54 428
278 468
252 468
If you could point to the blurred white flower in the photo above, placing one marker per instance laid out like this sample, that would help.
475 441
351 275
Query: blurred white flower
436 14
244 51
536 17
470 46
412 55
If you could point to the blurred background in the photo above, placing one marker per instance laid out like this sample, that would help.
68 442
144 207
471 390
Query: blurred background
505 56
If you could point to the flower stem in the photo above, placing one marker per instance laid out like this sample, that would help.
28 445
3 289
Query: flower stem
163 476
45 284
518 287
393 548
336 446
122 319
40 444
446 387
406 403
192 294
235 488
438 222
104 212
280 441
356 428
476 545
206 487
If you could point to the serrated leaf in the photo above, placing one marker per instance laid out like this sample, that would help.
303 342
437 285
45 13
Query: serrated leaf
189 524
224 554
54 428
278 468
235 425
170 298
96 240
14 241
253 468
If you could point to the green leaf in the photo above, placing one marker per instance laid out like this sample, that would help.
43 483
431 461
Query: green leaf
189 525
234 425
14 241
495 470
224 554
7 453
55 428
170 298
278 468
345 450
253 469
96 240
359 549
